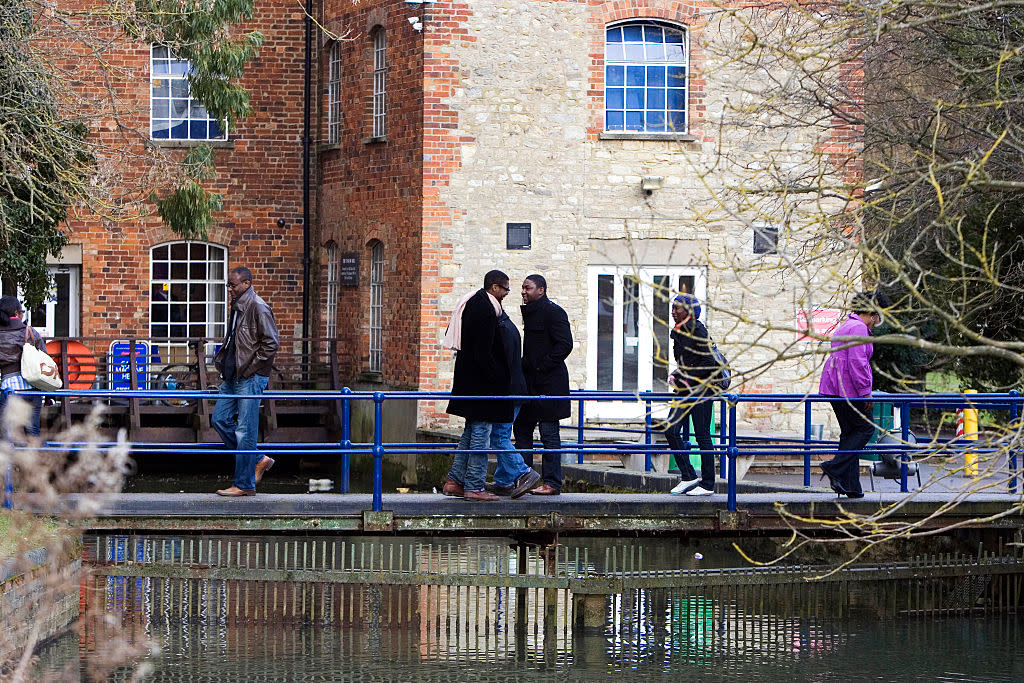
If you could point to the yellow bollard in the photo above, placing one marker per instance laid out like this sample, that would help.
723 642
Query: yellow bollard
971 434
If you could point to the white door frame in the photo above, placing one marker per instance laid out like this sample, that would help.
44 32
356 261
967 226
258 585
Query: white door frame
631 410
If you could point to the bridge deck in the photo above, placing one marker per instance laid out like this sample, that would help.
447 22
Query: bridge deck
570 513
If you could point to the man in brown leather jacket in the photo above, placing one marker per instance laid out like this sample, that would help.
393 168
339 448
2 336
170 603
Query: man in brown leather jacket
244 360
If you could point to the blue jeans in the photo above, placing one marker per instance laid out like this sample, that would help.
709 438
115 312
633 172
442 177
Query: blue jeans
511 465
14 383
551 461
470 469
240 434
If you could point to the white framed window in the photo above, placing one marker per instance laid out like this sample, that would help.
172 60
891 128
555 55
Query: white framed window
379 82
187 295
628 325
334 94
376 306
645 77
173 113
331 322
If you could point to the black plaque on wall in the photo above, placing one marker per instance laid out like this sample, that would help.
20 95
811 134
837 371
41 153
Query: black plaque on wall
348 275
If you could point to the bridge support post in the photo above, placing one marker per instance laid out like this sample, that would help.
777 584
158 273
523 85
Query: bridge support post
522 609
588 612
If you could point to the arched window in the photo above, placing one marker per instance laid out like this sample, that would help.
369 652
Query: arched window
645 85
376 306
334 94
187 294
331 318
379 82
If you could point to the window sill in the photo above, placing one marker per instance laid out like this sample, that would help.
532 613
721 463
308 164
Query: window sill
328 146
371 141
627 135
181 144
371 377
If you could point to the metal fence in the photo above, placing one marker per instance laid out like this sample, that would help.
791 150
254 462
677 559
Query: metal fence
729 447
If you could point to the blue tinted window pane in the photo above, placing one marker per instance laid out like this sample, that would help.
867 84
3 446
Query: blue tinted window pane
676 98
653 34
197 130
613 35
634 52
614 120
161 88
635 75
159 52
160 129
215 130
655 121
179 88
179 68
655 53
161 109
615 98
673 36
656 76
633 33
615 75
160 67
677 76
634 120
179 130
677 120
655 98
634 98
614 53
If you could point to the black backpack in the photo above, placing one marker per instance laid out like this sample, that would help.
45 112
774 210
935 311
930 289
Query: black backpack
724 375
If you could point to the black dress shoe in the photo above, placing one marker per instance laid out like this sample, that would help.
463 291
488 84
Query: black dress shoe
492 487
529 480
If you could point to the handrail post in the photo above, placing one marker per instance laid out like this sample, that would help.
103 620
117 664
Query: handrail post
1012 455
723 436
647 435
904 452
733 451
378 450
346 441
807 441
8 474
579 432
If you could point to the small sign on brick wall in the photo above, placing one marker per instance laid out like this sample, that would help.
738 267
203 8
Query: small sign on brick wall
348 273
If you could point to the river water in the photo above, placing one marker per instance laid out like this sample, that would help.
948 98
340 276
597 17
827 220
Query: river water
243 630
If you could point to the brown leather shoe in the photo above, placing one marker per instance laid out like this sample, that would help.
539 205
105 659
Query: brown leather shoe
481 496
545 490
262 466
452 488
235 492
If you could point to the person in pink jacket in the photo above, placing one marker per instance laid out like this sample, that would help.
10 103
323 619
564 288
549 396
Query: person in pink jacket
846 375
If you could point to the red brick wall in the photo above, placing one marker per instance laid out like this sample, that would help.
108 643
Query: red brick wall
371 190
259 172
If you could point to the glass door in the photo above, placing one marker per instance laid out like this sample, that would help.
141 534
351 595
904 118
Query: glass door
58 315
629 321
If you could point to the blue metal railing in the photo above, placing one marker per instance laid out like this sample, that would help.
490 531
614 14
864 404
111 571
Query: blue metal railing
730 444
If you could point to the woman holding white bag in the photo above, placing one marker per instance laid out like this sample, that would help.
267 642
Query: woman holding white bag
14 334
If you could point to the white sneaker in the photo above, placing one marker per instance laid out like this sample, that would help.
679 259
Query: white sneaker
684 486
699 491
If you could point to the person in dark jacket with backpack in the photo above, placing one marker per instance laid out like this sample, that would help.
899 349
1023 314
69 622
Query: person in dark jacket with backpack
547 342
694 377
14 334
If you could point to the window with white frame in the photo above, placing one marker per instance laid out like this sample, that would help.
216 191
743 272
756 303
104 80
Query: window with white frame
376 306
174 114
379 82
645 84
187 294
331 322
334 94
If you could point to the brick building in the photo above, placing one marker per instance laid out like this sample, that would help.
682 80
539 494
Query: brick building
582 140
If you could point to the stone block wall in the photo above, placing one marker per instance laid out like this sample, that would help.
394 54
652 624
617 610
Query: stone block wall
524 79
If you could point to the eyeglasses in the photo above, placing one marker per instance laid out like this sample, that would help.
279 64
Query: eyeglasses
237 284
507 289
